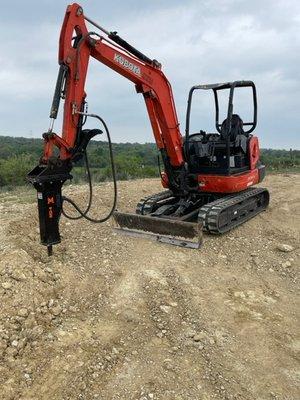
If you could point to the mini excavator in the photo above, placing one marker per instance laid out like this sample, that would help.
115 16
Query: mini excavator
208 177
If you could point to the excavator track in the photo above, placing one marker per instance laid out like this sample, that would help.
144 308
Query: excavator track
228 212
149 204
218 216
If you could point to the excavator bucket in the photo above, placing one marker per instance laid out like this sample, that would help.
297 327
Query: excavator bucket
171 231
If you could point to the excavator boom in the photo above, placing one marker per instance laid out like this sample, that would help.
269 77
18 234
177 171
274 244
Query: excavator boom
146 74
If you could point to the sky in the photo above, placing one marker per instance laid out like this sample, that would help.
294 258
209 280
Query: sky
197 42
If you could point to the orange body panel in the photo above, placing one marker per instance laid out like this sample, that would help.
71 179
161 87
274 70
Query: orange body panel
222 183
253 151
228 184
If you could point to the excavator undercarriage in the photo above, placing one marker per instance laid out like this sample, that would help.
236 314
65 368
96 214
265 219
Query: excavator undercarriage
167 218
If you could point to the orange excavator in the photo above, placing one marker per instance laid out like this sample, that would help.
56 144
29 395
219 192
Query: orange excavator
208 177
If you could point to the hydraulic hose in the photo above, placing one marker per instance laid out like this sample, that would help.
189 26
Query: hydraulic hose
83 214
90 192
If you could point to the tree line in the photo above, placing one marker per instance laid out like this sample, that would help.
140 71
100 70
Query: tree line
132 160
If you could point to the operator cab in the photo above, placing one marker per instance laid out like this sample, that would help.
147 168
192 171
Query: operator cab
225 152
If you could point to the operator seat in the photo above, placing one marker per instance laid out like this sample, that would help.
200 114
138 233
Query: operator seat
237 135
236 128
207 151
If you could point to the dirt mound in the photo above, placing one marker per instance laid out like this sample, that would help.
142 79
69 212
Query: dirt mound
111 317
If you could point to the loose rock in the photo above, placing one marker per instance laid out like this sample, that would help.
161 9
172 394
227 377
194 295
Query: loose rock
286 264
23 312
56 310
18 276
285 248
6 285
165 309
199 336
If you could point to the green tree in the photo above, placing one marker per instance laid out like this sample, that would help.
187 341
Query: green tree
13 171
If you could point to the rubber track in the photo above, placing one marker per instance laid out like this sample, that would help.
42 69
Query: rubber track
209 214
145 205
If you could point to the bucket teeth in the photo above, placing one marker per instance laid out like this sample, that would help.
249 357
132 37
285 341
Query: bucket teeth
172 231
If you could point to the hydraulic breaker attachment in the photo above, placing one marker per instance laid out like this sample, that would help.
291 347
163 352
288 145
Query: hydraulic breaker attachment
172 231
48 181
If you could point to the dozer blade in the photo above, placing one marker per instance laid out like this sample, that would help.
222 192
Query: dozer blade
172 231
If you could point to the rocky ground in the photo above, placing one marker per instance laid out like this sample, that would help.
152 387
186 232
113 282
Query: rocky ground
110 317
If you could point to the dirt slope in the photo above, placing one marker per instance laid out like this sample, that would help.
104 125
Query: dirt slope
109 317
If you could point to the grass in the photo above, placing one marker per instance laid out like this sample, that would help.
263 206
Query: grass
291 170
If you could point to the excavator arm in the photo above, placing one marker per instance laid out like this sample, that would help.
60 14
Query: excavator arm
76 45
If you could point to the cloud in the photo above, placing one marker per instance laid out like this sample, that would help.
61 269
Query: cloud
197 42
